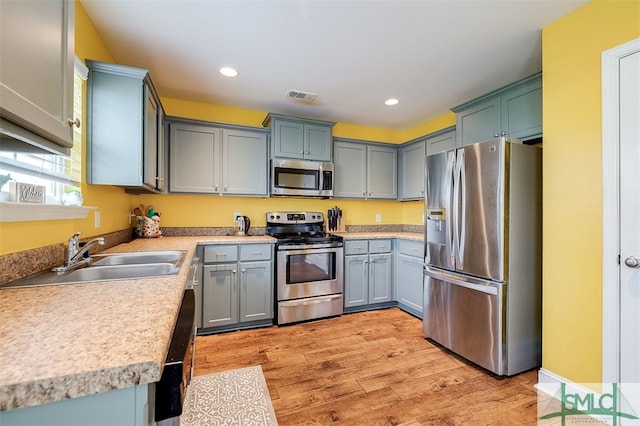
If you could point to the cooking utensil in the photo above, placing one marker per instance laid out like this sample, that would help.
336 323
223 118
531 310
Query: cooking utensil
137 211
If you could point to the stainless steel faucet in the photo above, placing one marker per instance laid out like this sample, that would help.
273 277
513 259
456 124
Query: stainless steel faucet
75 254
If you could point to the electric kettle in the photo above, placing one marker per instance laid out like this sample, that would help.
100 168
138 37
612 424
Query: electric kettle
243 225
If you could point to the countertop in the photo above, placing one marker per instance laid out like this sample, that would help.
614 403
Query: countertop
66 341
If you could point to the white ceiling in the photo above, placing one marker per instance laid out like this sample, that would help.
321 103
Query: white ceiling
430 54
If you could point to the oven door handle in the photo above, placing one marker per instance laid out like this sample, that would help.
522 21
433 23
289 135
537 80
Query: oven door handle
315 301
293 251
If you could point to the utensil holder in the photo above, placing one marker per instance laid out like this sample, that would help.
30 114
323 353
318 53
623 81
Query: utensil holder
148 227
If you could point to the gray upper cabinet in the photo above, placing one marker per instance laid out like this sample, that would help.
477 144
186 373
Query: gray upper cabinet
411 176
298 138
36 75
514 111
208 160
365 170
441 141
125 128
244 162
194 158
411 161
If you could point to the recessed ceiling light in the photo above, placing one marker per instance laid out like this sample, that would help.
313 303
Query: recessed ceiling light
228 72
391 101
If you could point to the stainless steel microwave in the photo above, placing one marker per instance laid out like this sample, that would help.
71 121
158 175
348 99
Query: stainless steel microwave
301 178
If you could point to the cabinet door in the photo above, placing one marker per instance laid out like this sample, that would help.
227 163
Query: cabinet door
317 142
382 172
350 168
194 158
356 280
380 278
409 278
163 165
256 291
244 162
151 134
441 143
288 139
219 295
36 67
412 162
522 110
479 122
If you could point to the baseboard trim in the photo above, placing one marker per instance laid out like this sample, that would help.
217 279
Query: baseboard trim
549 383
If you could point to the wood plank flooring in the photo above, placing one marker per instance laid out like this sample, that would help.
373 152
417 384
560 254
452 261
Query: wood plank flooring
369 368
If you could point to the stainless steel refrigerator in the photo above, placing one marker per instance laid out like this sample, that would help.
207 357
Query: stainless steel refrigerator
483 243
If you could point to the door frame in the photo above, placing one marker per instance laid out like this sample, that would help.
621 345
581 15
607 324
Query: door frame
610 209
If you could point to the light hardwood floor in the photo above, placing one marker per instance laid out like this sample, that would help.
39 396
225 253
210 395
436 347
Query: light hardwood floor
369 368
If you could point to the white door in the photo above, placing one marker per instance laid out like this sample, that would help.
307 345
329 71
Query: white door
630 219
621 149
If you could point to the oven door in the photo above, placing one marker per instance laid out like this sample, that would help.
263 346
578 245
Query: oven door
308 272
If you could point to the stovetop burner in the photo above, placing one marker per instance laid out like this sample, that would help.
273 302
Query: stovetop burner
299 228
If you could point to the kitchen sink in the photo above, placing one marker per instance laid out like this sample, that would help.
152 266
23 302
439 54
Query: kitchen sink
108 267
136 258
118 272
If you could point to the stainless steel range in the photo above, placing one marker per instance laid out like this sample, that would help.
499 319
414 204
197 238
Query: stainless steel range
309 267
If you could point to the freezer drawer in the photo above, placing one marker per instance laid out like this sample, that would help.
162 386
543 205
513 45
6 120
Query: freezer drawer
466 316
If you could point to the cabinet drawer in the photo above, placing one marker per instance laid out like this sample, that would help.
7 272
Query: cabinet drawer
356 247
411 248
380 246
220 253
255 252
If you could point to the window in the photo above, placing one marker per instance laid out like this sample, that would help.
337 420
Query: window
57 173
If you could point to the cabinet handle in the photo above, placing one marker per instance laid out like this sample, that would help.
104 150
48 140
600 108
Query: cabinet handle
233 271
216 188
75 122
364 193
366 261
243 270
307 152
301 152
225 188
495 135
369 194
503 133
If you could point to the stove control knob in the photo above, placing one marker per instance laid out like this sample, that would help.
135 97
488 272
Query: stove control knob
271 217
278 217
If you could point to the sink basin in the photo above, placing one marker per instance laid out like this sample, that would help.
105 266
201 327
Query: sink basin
110 266
136 258
118 272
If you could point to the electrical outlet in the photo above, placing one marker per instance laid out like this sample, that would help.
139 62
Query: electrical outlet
378 217
235 216
96 219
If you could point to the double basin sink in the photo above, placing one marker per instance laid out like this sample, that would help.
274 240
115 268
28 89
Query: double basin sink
110 266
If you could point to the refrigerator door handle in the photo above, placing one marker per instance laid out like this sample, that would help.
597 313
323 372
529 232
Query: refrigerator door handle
463 211
457 182
450 185
483 286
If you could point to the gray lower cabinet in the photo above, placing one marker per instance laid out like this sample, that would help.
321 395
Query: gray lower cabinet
365 171
409 264
133 406
206 159
36 74
237 284
514 111
125 140
368 274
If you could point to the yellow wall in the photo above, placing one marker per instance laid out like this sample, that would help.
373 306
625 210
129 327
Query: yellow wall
572 231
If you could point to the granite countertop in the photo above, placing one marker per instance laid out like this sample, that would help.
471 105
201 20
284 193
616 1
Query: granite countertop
412 236
67 341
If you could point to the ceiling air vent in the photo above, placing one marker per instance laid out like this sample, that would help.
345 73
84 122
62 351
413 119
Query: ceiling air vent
298 95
